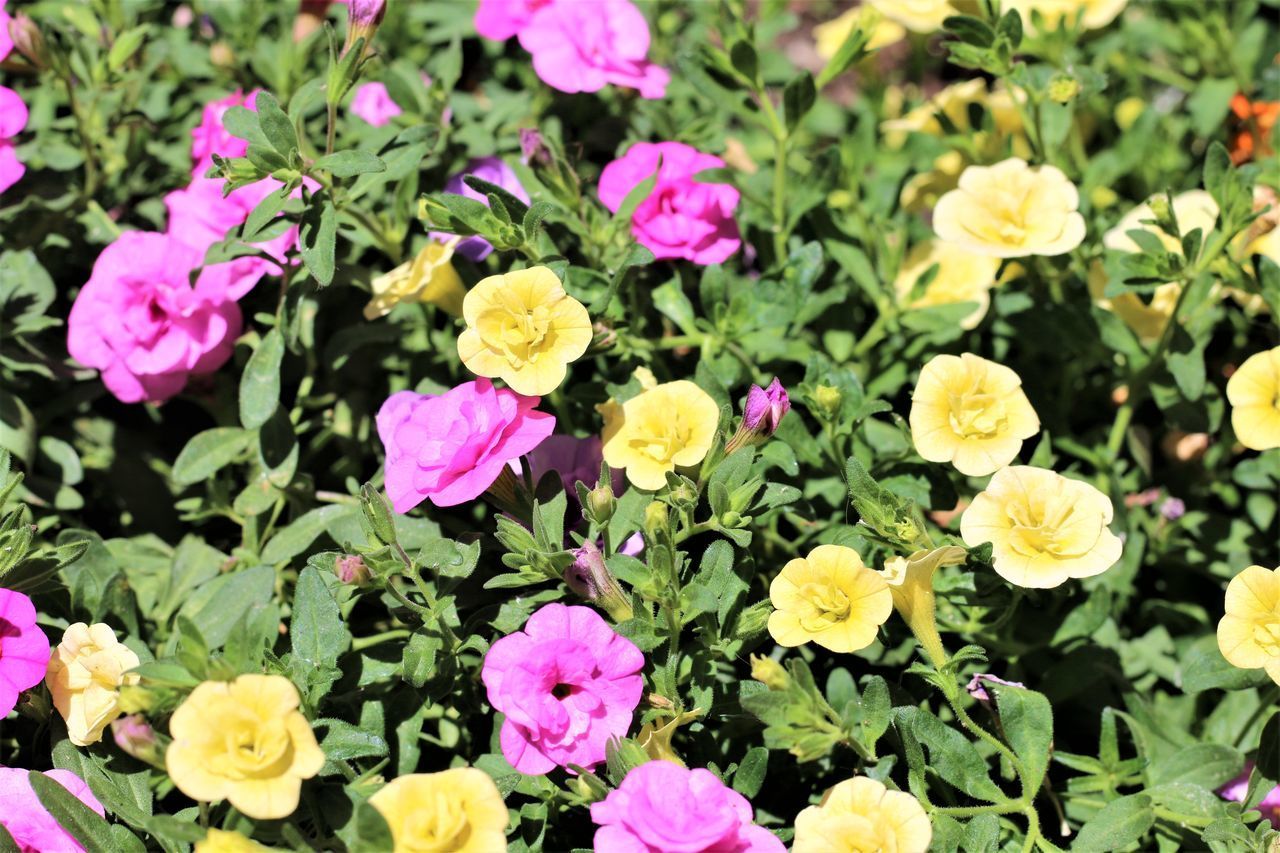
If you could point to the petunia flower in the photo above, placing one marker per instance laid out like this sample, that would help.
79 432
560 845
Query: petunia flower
24 649
829 598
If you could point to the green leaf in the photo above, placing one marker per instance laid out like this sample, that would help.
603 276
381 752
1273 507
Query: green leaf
260 384
317 634
275 124
1204 668
850 52
1206 764
318 240
952 756
749 777
292 540
264 213
125 46
346 164
1027 720
1120 823
208 452
797 99
671 300
216 606
343 741
81 822
1209 103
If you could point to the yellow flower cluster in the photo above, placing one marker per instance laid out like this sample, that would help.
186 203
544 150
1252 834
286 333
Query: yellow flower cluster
453 811
86 672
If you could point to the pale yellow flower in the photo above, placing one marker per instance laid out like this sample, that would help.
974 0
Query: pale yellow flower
919 16
1249 633
961 276
954 102
523 328
1044 528
1011 210
1091 14
861 814
970 412
829 598
668 426
221 841
1254 394
922 191
86 672
453 811
429 277
910 581
829 37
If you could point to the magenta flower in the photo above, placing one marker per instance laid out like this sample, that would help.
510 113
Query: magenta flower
566 683
30 824
209 137
661 807
140 322
13 118
450 447
765 408
582 47
1237 788
24 649
681 218
6 42
499 20
490 169
373 104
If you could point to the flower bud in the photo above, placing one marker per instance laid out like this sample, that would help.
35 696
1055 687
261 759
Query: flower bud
752 621
363 19
135 699
533 149
770 673
135 737
1173 509
1063 88
28 40
377 514
601 504
351 569
761 415
655 521
589 577
828 399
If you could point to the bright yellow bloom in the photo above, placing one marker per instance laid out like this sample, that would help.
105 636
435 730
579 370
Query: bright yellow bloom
244 741
910 581
1091 14
429 277
1249 633
672 424
1011 210
86 672
220 841
961 276
919 16
970 412
1254 394
523 328
453 811
861 814
829 598
1044 528
830 36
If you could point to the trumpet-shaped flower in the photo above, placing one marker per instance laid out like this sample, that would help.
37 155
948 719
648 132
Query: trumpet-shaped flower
29 822
672 424
24 649
1249 633
246 742
1011 210
862 814
970 412
86 672
429 277
1044 528
910 581
1254 393
829 598
13 118
960 276
523 328
458 810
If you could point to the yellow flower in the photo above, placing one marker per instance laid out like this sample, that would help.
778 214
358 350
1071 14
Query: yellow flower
1249 633
672 424
922 191
830 36
954 102
861 814
220 841
86 672
910 581
960 277
919 16
453 811
970 412
429 277
1044 528
1011 210
244 741
829 598
1254 393
1091 14
523 328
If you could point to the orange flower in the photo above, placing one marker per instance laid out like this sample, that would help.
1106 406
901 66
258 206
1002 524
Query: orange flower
1254 122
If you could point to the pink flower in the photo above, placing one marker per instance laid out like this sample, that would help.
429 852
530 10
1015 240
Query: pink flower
210 137
977 691
496 172
199 216
680 218
581 47
24 649
566 683
661 807
374 105
499 20
765 408
30 824
450 447
140 322
1238 787
6 42
13 118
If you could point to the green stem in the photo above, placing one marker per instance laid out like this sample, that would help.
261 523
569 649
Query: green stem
331 128
1007 807
374 639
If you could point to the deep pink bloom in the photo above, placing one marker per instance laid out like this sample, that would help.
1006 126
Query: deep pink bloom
24 649
373 104
566 683
582 47
501 19
140 322
495 171
13 118
1238 787
765 408
210 137
450 447
661 807
680 218
6 42
30 824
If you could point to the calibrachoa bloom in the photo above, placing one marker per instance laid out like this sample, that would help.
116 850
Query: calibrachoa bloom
1251 115
1044 528
762 413
970 412
1089 14
959 276
209 137
681 217
919 16
13 118
374 105
1249 633
450 447
246 742
86 672
24 649
830 598
135 736
6 43
222 841
458 810
661 807
862 814
429 277
140 322
668 426
1238 789
566 683
1254 393
494 171
523 328
29 822
910 581
830 36
1011 210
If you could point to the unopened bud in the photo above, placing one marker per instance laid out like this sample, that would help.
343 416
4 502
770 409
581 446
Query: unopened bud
135 737
752 621
377 514
351 569
533 149
761 415
1063 88
828 399
221 55
28 40
655 521
363 19
603 336
601 504
770 673
590 578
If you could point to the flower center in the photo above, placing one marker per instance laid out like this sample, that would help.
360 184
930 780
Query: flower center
662 439
1266 633
254 749
822 605
1041 527
563 691
520 335
438 826
977 415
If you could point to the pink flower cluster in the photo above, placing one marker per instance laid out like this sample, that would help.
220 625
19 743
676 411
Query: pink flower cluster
13 118
576 46
29 822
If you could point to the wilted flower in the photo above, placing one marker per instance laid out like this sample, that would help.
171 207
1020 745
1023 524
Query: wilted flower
1254 393
13 118
135 737
1249 633
830 598
351 568
671 425
761 415
86 672
977 691
770 673
959 276
24 649
429 277
590 578
28 822
457 810
862 814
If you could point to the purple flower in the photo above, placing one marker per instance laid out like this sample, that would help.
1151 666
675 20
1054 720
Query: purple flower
351 568
1173 509
765 408
977 691
490 169
590 578
1238 787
